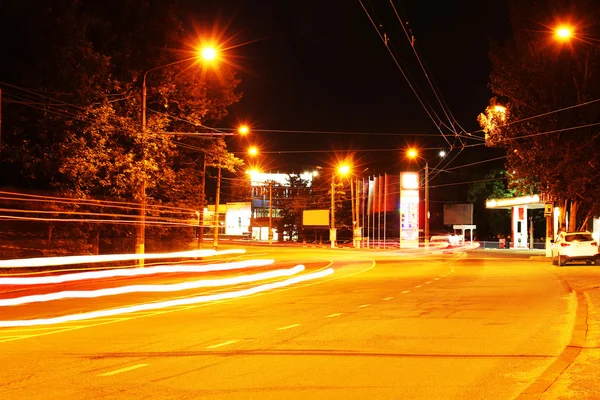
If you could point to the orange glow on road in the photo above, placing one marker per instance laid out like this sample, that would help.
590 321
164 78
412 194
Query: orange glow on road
69 260
159 269
175 287
169 303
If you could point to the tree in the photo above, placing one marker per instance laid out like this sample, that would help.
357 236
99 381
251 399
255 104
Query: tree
532 76
78 131
292 204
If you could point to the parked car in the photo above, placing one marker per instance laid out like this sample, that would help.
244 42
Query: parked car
575 246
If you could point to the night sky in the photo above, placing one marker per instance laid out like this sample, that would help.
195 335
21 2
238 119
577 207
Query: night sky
321 66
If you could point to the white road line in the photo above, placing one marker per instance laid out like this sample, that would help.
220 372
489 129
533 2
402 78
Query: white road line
364 305
214 346
118 371
436 279
418 286
388 298
406 291
427 283
333 315
288 327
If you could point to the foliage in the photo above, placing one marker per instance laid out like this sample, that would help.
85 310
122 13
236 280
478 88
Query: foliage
77 130
292 204
534 75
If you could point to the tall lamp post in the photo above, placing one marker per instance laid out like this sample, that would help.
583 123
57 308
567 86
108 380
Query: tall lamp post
242 130
207 54
342 169
413 154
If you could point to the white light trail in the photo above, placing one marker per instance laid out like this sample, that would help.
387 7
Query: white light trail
174 287
68 260
159 269
170 303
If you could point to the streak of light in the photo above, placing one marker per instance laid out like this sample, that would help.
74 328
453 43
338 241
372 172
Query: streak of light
159 269
68 260
169 303
174 287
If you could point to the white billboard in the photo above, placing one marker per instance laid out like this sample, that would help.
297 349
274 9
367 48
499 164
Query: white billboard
315 218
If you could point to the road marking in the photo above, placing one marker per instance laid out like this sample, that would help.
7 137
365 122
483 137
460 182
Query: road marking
418 286
406 291
214 346
333 315
388 298
436 279
364 305
427 283
118 371
288 327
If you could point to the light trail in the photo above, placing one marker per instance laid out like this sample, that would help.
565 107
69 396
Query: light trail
69 260
174 287
159 269
169 303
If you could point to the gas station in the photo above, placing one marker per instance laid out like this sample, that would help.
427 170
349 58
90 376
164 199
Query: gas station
521 234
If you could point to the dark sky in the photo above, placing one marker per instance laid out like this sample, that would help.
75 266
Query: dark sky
321 66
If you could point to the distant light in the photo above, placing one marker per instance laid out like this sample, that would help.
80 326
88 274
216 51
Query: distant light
442 153
564 32
315 173
499 109
208 53
412 153
253 151
344 169
243 130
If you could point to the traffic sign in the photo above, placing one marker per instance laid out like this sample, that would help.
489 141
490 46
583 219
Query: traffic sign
548 209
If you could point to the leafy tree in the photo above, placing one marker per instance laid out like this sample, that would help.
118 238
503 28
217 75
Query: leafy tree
78 130
291 206
534 75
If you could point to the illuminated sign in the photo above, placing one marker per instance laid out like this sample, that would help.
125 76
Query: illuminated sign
409 210
409 180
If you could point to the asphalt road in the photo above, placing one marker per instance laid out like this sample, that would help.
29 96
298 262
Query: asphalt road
384 325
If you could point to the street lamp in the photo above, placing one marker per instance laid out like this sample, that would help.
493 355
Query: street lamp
342 169
563 33
243 130
207 54
414 154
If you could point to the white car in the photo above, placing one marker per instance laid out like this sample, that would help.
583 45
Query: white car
575 246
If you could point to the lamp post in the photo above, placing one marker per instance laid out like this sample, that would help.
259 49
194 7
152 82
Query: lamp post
207 54
343 169
242 130
413 154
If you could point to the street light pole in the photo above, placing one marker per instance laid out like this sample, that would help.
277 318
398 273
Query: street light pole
140 240
332 237
270 235
426 205
216 216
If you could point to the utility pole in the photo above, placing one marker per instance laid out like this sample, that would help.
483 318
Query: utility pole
270 235
354 225
216 216
426 206
203 200
332 236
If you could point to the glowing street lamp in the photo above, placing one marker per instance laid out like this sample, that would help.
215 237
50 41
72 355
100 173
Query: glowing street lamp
563 32
253 151
243 130
208 54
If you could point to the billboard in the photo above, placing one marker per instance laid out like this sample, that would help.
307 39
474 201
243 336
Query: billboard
315 218
458 214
